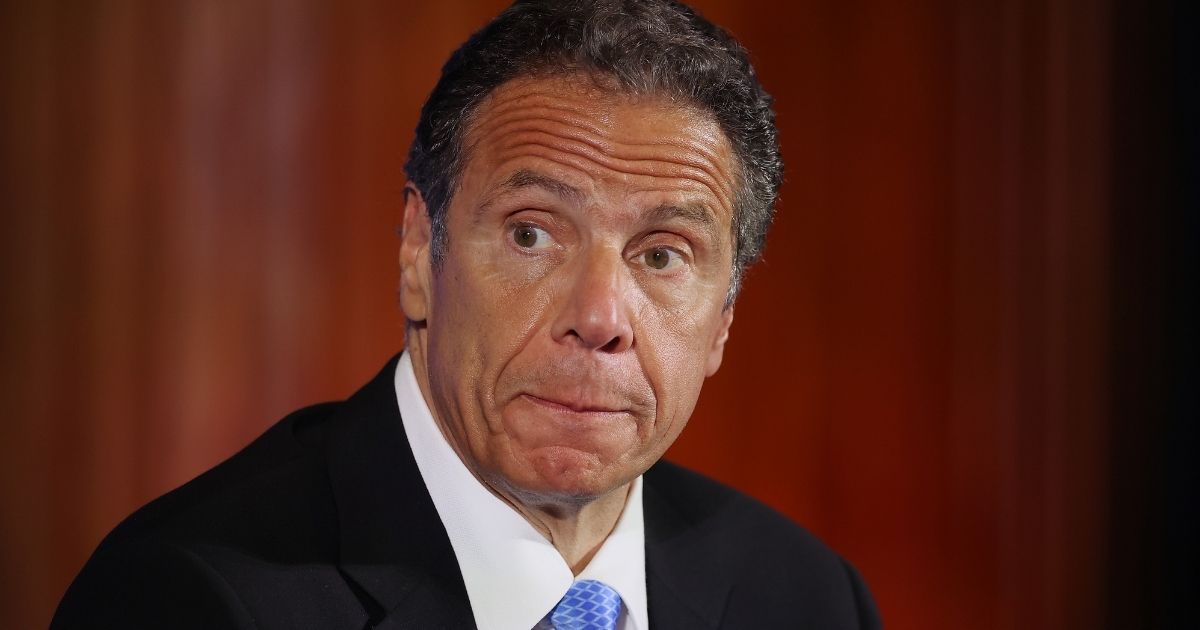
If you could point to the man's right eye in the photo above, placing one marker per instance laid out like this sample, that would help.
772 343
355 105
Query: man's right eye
531 237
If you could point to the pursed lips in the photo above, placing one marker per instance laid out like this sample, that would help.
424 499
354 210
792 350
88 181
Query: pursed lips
562 403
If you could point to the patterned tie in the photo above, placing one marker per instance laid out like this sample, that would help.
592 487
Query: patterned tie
588 605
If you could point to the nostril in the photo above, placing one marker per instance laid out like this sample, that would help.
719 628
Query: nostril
614 344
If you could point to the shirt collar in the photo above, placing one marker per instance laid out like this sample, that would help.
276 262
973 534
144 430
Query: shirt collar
514 576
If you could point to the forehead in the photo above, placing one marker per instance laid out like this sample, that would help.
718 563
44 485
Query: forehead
592 135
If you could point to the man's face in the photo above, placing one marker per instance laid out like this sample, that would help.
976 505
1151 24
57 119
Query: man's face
580 303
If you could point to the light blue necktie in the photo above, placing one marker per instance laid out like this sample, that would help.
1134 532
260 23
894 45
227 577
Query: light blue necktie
588 605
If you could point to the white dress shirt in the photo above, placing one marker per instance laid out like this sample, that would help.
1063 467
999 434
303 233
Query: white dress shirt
513 574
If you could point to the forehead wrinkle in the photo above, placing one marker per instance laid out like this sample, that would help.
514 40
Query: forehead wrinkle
576 126
561 97
562 114
579 117
552 110
585 157
496 114
566 137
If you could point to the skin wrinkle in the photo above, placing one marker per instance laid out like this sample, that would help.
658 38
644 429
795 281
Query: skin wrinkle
585 319
703 172
548 154
707 147
503 112
576 116
699 172
572 130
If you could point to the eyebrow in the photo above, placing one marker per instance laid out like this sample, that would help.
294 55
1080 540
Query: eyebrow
526 178
696 214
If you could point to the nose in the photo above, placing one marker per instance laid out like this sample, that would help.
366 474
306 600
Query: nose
595 309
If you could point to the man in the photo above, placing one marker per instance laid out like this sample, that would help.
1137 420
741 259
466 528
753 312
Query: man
588 183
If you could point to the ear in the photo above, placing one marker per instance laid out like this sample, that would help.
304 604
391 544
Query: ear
415 239
717 351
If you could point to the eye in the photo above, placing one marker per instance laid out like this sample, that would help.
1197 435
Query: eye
531 237
662 258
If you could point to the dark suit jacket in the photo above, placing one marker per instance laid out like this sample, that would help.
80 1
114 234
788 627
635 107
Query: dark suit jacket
324 522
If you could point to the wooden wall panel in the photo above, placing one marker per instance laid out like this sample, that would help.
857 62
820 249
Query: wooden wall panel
200 202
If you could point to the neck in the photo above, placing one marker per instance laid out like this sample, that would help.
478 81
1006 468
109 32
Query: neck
576 529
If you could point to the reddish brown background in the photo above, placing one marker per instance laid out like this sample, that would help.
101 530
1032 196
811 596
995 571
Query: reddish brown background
200 203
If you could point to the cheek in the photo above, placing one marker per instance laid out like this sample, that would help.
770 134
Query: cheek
484 312
457 334
674 357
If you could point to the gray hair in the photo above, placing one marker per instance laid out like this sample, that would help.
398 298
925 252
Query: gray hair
648 47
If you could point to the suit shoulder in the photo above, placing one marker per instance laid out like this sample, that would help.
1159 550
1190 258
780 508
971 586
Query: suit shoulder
774 563
265 503
272 481
139 585
704 501
709 504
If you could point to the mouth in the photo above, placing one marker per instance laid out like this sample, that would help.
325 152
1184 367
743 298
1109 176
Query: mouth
571 405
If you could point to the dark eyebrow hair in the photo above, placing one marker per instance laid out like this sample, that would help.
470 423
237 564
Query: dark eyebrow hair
697 214
526 178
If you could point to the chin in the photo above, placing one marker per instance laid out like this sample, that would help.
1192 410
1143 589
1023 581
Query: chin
565 475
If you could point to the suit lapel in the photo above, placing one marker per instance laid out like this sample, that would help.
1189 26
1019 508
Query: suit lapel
394 551
684 589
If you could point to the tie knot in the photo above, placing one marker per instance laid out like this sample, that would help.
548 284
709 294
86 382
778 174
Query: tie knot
588 605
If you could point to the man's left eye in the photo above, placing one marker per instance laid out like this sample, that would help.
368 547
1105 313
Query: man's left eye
662 258
531 237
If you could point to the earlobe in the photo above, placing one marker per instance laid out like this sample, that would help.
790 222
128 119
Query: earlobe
717 351
415 235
